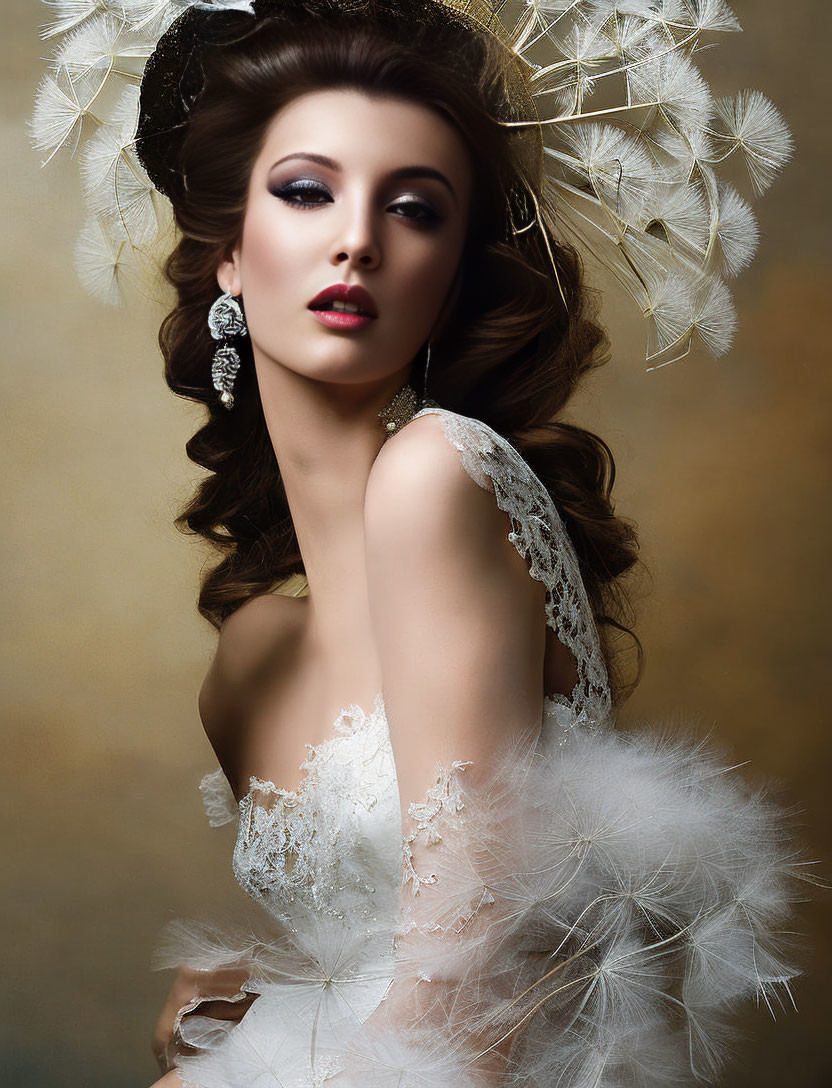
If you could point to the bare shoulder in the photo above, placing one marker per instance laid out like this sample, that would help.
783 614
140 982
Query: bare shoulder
418 481
252 639
419 477
420 446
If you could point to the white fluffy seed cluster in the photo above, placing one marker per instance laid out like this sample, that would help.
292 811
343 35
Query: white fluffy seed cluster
634 142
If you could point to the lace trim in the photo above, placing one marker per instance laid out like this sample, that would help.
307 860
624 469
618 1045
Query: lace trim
287 839
443 804
352 719
540 537
444 795
219 802
218 799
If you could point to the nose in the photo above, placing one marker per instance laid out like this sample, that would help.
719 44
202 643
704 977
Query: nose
356 242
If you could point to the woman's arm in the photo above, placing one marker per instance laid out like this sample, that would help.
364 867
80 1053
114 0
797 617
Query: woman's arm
216 993
460 626
458 620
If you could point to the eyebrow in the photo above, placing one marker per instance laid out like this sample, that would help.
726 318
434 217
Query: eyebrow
401 172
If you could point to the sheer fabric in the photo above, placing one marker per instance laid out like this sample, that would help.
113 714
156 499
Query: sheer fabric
585 911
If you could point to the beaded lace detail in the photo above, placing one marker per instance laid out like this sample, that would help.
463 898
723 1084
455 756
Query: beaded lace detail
326 846
442 795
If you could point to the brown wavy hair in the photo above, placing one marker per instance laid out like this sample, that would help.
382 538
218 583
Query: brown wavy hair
519 341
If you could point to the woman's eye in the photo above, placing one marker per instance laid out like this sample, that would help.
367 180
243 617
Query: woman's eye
417 211
297 192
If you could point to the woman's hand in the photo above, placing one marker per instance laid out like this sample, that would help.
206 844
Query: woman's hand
210 993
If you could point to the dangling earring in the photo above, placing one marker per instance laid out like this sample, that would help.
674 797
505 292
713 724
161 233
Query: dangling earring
425 379
405 404
225 319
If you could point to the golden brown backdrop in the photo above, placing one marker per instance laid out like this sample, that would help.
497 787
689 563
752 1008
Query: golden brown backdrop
723 464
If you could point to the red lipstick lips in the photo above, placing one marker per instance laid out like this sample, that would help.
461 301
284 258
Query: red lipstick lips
358 296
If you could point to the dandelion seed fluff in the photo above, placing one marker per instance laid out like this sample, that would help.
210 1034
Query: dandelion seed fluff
738 234
754 126
101 259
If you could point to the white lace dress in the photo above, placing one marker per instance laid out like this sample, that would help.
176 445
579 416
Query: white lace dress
588 919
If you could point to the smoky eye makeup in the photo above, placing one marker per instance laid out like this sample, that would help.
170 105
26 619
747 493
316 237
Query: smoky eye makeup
289 189
419 210
309 192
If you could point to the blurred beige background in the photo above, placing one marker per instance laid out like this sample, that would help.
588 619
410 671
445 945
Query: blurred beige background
723 464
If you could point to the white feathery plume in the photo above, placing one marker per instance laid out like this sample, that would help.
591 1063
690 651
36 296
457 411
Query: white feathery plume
559 836
644 9
151 18
71 13
681 153
709 15
634 38
139 12
668 17
754 126
674 87
398 1058
134 14
202 945
713 315
103 259
64 110
668 307
601 11
612 162
737 232
113 177
584 48
678 212
104 43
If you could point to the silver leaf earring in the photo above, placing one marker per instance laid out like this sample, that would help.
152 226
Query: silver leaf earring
226 320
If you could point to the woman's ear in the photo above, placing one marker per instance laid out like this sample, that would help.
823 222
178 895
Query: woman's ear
228 273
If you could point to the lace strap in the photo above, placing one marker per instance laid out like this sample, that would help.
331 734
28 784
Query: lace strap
218 799
540 537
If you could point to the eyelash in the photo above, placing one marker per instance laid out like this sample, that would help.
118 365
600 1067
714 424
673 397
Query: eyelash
285 192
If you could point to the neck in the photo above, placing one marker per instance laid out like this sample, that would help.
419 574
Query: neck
326 437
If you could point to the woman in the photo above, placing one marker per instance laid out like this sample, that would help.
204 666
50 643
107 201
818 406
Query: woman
472 879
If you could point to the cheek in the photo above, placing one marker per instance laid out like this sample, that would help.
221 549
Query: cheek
267 253
426 274
273 257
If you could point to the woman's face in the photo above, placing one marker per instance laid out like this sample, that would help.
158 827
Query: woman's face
356 190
